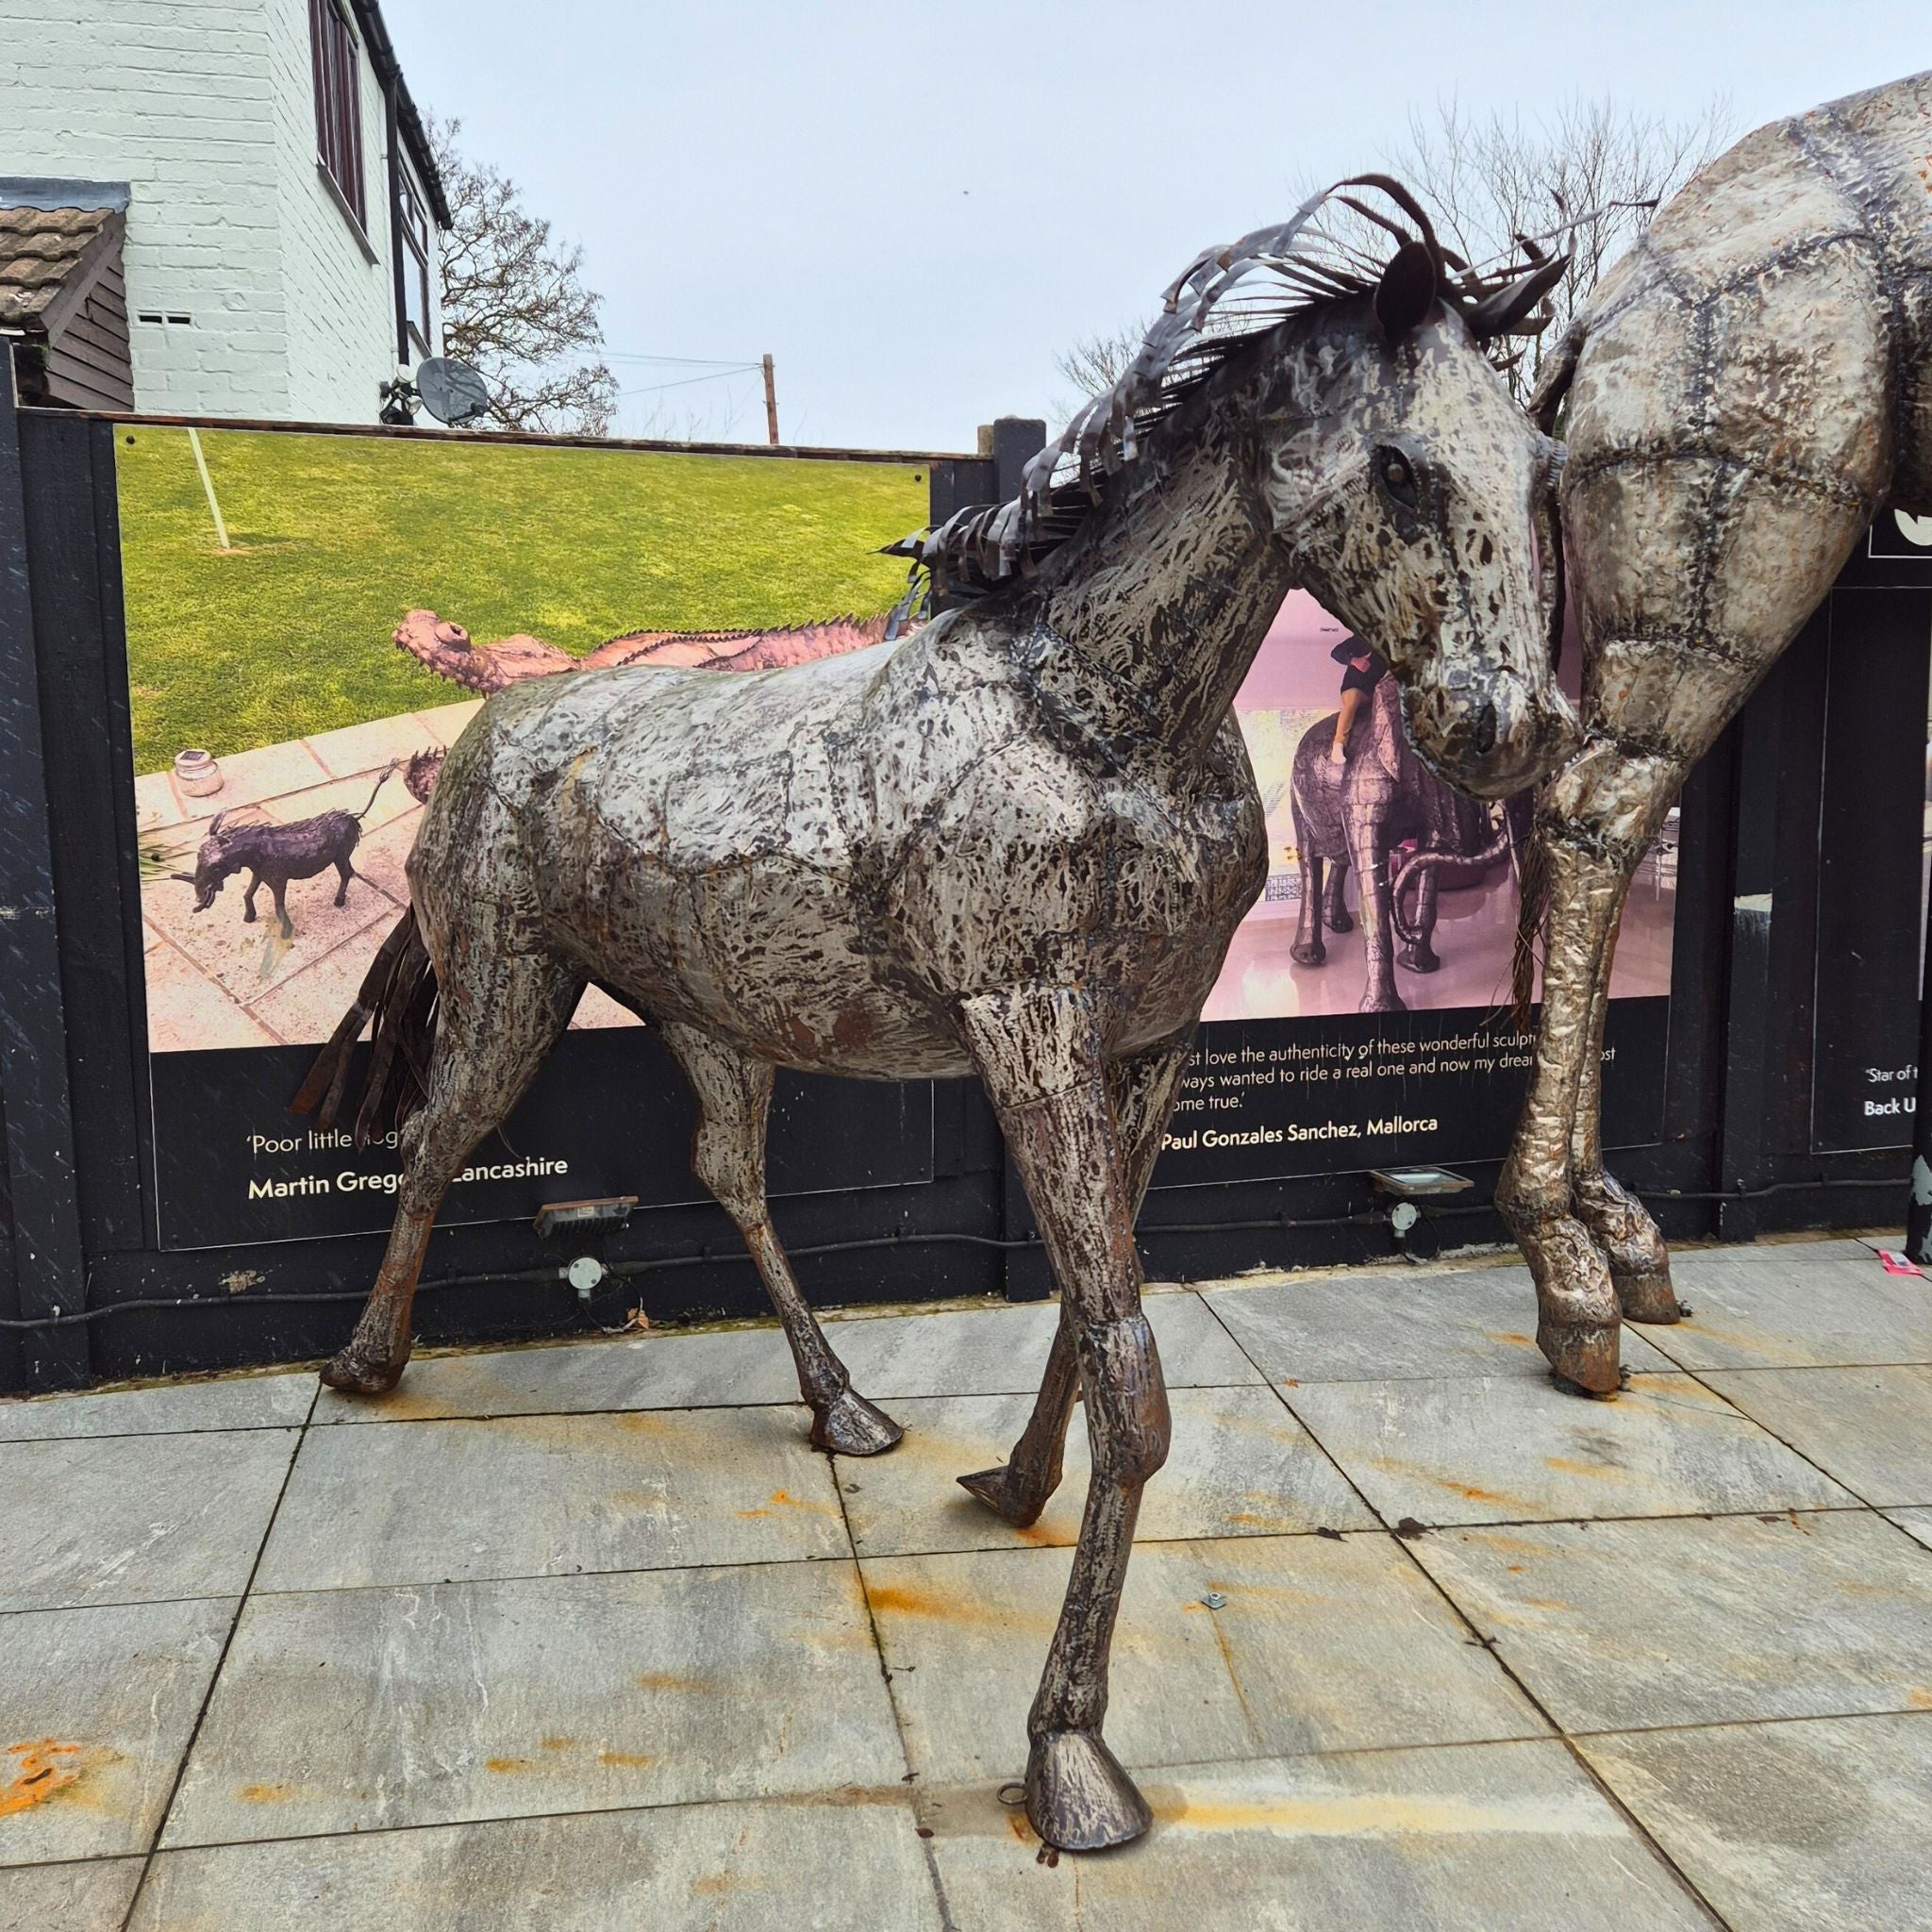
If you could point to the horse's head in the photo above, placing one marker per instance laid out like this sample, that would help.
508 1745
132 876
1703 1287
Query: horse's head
1416 501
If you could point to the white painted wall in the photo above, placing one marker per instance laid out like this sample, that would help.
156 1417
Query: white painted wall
205 108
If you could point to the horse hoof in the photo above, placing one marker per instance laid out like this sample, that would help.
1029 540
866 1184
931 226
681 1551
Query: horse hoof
1340 921
1646 1295
852 1426
356 1372
1078 1797
1309 956
1003 1493
1583 1353
1419 963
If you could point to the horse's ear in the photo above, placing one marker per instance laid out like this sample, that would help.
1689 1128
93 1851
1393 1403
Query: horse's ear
1407 289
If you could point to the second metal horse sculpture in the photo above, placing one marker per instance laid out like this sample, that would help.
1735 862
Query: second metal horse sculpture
1016 843
1743 391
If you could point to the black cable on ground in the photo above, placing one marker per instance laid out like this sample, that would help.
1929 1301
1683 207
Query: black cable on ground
1283 1223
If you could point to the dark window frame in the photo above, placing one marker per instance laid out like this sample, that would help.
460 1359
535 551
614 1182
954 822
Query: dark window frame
338 73
417 234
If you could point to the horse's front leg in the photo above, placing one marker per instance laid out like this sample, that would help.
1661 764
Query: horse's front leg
1038 1052
1143 1092
1619 1222
1576 1308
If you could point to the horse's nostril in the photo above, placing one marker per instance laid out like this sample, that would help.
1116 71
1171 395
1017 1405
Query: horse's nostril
1483 730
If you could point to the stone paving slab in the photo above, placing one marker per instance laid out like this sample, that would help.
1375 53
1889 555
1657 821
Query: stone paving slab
1321 1646
1240 1465
1385 1325
1511 1449
939 1352
73 1898
135 1518
1488 1837
1823 1825
424 1502
1620 1626
850 1863
1871 1428
231 1402
1004 1350
96 1706
1915 1523
1786 1307
353 1710
187 1010
717 1368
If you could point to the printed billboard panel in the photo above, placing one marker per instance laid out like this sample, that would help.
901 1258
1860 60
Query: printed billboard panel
293 694
1319 1062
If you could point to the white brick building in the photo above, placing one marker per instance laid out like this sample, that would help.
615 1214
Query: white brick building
281 203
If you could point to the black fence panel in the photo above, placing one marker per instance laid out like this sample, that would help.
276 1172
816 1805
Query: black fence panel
1783 972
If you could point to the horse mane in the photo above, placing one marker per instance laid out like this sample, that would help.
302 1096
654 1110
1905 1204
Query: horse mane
1203 324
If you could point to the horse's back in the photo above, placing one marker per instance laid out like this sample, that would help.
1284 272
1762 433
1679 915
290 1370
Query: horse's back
1782 300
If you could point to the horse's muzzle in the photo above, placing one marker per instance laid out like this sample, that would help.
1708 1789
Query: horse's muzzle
1496 737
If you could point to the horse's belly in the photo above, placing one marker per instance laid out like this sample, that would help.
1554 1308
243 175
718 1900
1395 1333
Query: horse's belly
769 953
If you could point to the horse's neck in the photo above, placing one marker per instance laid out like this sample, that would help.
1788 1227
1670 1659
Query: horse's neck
1147 621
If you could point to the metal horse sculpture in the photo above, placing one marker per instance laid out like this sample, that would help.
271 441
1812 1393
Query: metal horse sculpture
1354 814
1741 394
1016 843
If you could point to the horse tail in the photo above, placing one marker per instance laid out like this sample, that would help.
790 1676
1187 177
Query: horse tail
398 994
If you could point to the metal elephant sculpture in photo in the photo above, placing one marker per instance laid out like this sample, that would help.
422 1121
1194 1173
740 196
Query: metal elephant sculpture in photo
1014 845
1739 396
1353 812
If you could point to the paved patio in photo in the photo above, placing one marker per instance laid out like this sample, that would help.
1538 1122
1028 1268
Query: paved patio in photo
586 1635
218 979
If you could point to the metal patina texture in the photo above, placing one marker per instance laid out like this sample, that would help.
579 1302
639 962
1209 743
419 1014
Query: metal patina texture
1016 842
1741 396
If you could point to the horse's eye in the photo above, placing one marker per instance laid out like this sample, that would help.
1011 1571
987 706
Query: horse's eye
1398 477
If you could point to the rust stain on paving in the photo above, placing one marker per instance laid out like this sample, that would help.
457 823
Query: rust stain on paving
41 1768
622 1760
910 1602
1387 1814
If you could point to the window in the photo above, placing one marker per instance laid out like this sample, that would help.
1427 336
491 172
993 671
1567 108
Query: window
413 221
338 102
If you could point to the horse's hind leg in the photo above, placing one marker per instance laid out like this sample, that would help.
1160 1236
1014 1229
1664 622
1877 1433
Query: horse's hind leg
1618 1222
1143 1090
734 1094
488 1049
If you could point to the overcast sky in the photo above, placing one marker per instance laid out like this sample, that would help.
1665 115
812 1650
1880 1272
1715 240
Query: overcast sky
915 208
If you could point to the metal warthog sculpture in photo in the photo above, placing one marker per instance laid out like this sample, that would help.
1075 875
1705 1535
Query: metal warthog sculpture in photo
1015 844
1741 396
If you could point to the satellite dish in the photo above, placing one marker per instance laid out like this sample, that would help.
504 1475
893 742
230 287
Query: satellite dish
452 391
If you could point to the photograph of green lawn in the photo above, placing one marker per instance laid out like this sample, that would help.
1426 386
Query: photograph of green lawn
262 611
332 539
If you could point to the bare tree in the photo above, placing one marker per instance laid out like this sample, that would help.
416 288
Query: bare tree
1585 180
514 302
1095 363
